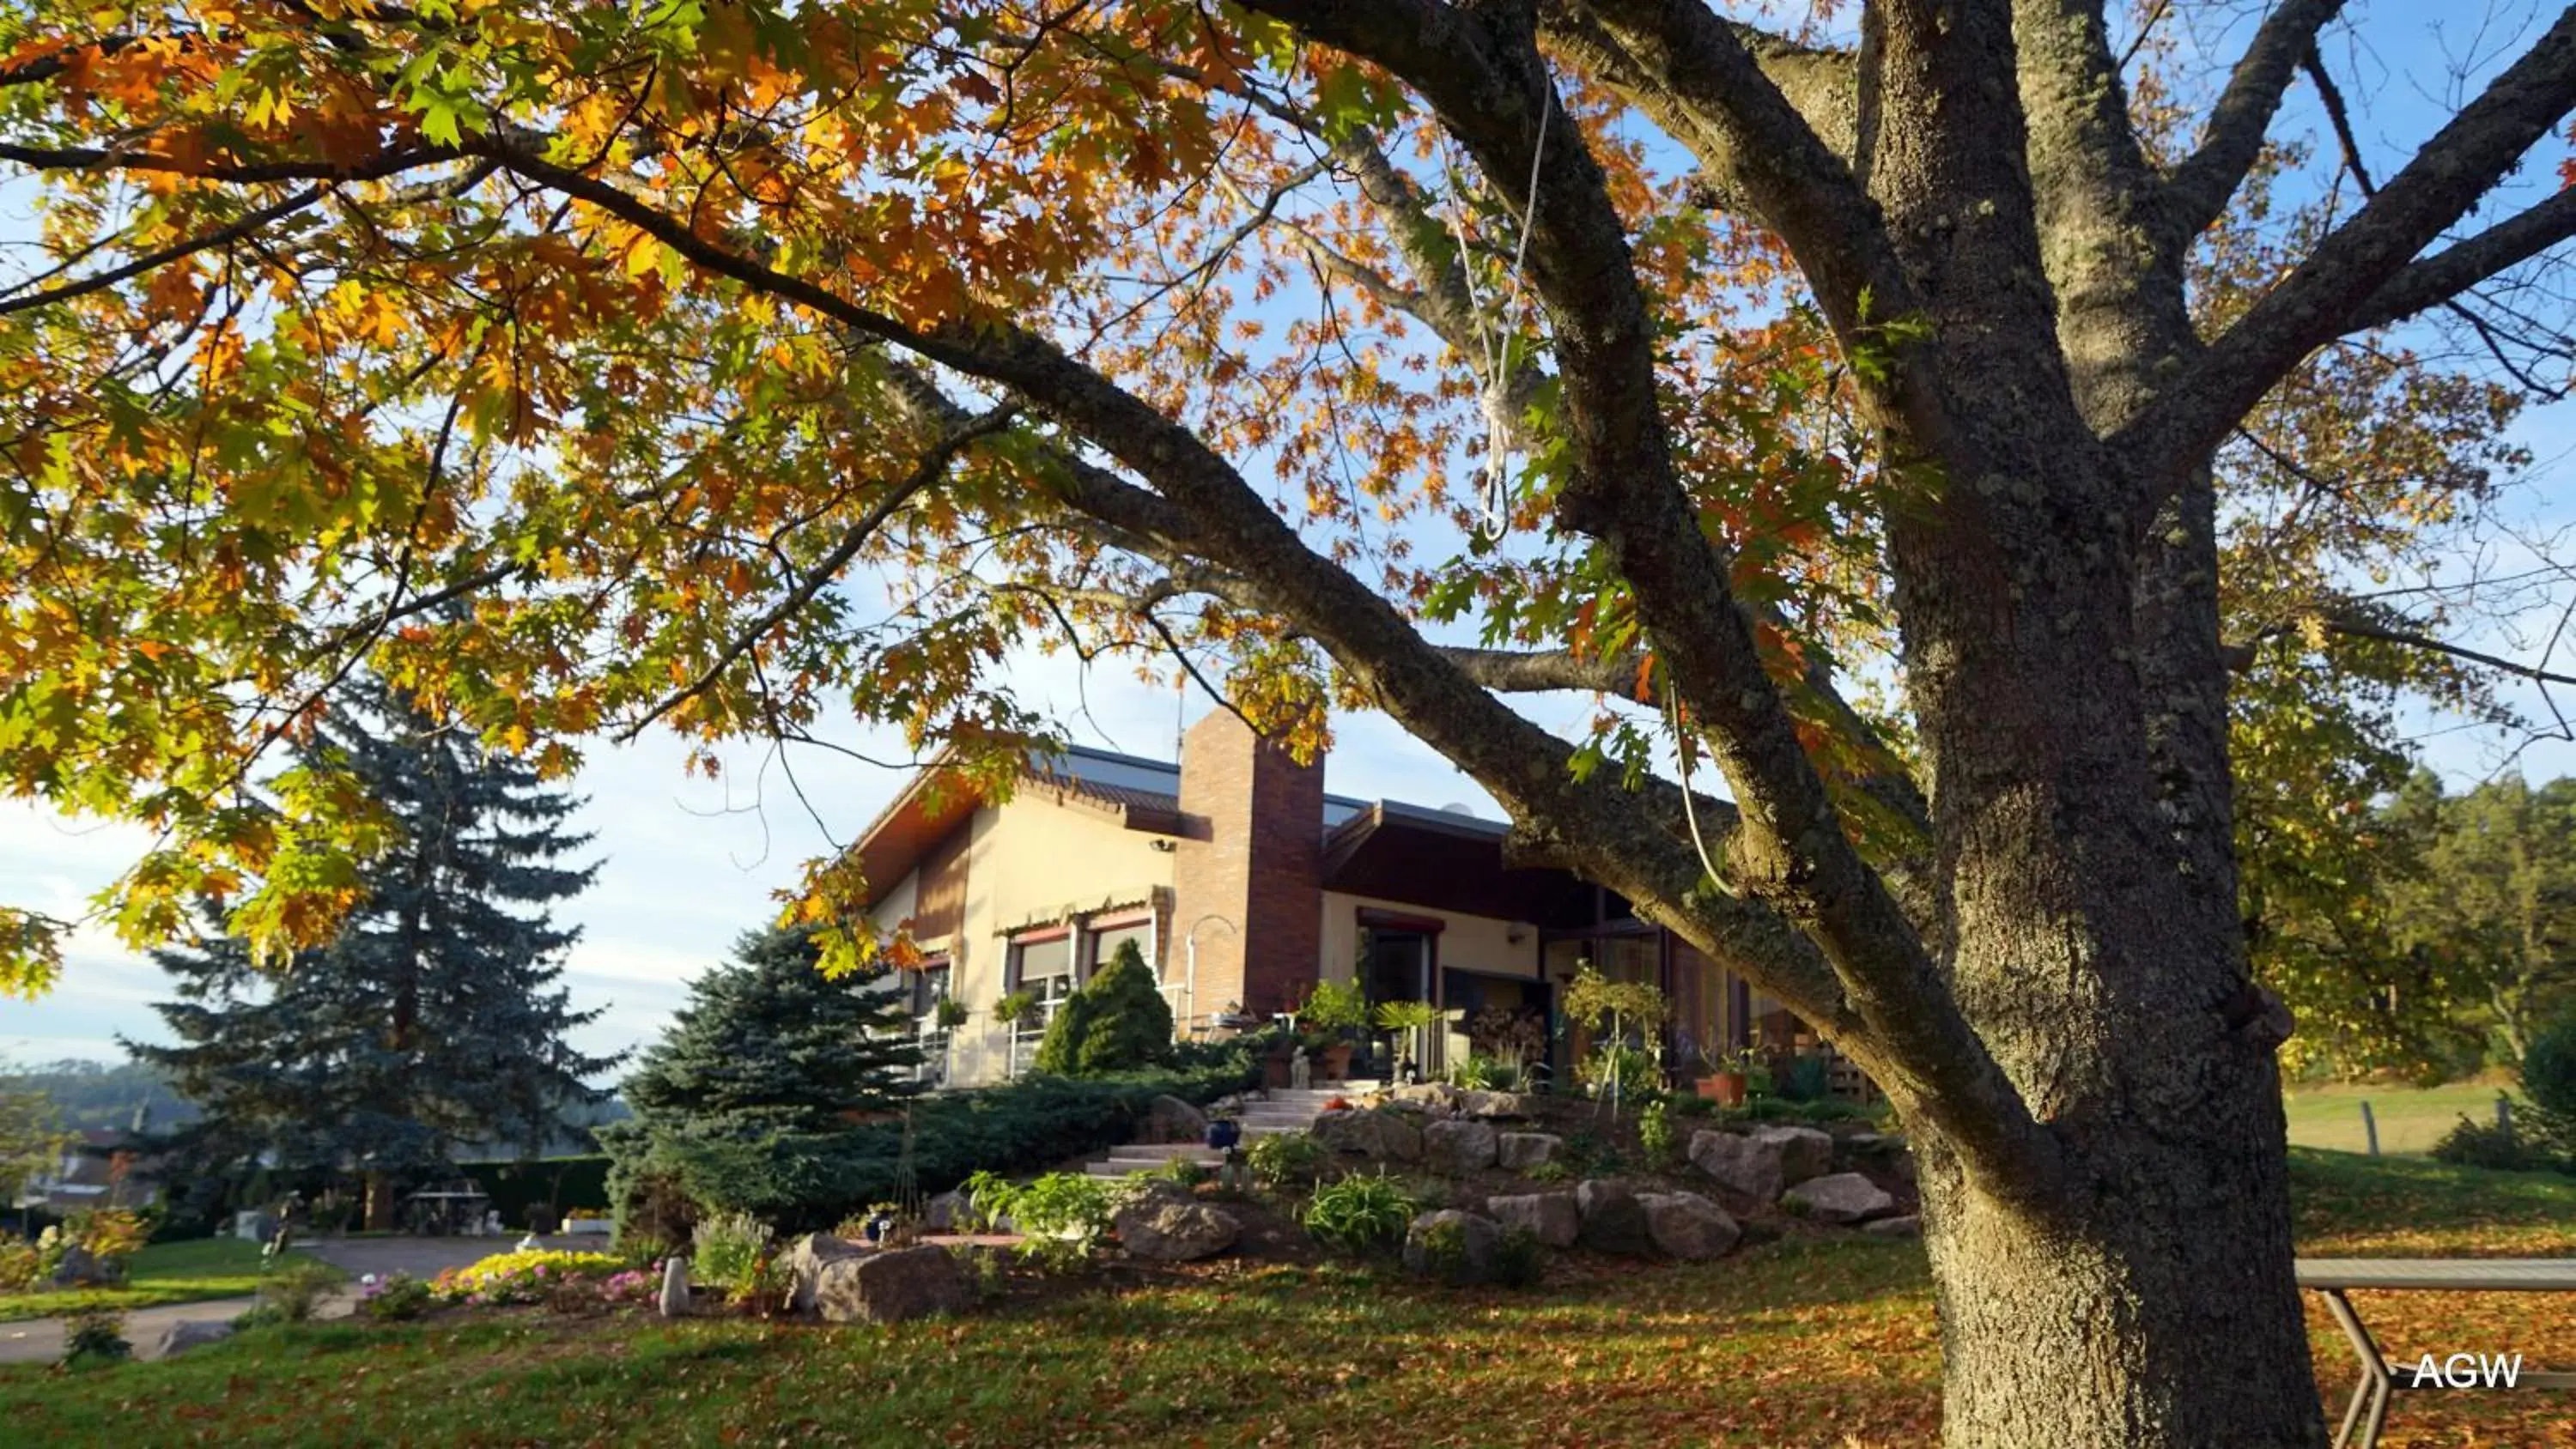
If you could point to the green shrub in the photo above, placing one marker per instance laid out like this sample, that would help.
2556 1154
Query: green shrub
296 1287
1281 1158
1655 1132
1119 1022
2490 1144
1520 1259
1360 1214
398 1297
2549 1084
1551 1170
1693 1106
731 1247
97 1336
1808 1079
805 1181
1444 1252
1187 1171
1061 1216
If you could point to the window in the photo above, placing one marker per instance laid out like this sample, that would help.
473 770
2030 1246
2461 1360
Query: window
1101 943
1042 965
929 988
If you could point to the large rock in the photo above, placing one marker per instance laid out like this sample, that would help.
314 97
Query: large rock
1169 1119
1169 1231
1438 1095
1458 1146
1550 1217
1686 1225
805 1260
1613 1220
1370 1133
1804 1151
673 1299
1745 1166
1521 1151
942 1213
80 1268
186 1334
1494 1105
1841 1197
1908 1226
891 1287
1453 1246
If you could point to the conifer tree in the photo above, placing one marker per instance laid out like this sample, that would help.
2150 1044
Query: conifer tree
749 1101
434 1018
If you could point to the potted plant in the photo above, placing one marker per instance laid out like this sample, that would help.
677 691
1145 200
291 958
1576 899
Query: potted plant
1729 1074
951 1013
1412 1022
1332 1010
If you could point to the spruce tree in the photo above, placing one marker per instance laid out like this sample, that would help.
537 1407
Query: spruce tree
748 1101
1118 1022
435 1017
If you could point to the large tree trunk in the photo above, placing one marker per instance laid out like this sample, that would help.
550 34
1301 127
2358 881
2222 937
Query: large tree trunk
2158 1311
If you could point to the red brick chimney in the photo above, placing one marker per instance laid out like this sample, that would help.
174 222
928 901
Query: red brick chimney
1251 858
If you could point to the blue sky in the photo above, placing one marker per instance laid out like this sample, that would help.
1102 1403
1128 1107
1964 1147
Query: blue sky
688 863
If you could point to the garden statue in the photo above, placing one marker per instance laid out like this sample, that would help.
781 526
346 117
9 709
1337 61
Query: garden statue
1301 1072
674 1302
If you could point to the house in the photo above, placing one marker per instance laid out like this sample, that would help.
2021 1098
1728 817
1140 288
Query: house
100 1167
1243 882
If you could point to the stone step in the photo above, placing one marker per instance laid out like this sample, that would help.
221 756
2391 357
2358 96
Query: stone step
1162 1151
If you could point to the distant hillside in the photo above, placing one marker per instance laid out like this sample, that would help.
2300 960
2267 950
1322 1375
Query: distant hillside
97 1094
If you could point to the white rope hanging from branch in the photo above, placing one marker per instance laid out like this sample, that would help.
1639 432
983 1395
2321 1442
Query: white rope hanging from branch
1494 353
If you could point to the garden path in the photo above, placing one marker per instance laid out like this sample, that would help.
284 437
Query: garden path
40 1340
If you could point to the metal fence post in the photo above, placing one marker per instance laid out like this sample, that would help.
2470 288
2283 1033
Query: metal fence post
2370 1127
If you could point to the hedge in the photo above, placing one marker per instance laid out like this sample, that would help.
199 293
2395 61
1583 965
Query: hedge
553 1183
813 1180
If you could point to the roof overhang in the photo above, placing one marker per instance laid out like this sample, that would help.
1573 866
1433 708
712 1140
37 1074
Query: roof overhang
1446 862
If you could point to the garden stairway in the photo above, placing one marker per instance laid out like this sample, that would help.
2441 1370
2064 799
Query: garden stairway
1282 1109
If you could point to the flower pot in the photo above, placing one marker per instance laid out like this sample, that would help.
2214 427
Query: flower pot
1334 1065
1726 1089
1275 1066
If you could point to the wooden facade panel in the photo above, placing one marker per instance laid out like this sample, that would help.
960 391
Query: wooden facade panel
940 911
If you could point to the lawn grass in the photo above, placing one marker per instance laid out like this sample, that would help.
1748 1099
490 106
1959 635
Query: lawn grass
1810 1341
2411 1119
184 1272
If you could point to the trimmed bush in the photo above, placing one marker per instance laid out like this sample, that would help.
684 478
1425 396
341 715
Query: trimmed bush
1118 1023
804 1181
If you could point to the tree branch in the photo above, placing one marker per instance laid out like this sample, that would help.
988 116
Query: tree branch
1489 88
2338 281
2423 285
932 465
2199 189
220 236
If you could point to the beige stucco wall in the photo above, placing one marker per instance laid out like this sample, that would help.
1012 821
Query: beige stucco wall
1467 943
1033 862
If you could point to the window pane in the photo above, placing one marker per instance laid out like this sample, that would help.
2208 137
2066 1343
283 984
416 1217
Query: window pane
1036 961
1105 943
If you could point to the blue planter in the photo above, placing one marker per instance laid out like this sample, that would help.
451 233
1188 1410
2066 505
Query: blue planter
1224 1135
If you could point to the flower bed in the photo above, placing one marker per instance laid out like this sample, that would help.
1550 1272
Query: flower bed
532 1276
